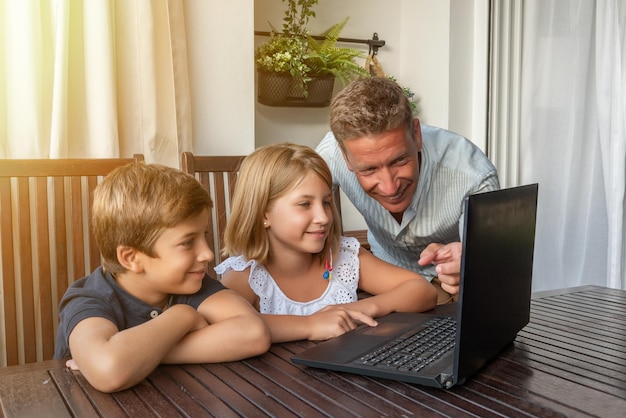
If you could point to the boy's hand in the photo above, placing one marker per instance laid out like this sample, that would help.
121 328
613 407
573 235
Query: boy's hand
335 320
199 320
447 259
72 364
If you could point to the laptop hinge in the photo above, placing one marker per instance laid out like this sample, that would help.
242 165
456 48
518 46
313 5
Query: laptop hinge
445 380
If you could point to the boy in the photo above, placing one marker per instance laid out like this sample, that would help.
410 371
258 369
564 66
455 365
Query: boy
151 301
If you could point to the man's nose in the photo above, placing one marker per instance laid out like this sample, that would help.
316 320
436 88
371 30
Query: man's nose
386 182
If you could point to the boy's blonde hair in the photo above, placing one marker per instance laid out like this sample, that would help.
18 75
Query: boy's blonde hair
135 203
265 175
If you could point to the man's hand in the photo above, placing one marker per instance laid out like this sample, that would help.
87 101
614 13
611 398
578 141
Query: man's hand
447 261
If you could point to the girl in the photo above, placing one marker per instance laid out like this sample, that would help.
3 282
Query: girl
288 259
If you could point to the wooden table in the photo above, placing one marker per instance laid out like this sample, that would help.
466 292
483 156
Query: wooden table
569 361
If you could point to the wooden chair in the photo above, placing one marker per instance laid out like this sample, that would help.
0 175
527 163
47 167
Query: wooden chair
359 234
46 243
218 175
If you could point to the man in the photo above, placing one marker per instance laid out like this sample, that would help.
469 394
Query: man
407 180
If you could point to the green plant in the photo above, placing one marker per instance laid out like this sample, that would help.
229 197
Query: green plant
296 20
326 58
293 50
415 105
284 54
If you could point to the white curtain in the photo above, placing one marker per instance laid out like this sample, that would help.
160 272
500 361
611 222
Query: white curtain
97 78
573 138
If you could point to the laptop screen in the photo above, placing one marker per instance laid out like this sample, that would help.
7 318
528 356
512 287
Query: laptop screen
494 304
496 278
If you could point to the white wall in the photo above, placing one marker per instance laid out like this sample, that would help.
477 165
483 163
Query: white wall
435 47
308 125
469 52
438 48
220 51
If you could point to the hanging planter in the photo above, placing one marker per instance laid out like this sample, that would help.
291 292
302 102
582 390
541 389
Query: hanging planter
294 69
281 89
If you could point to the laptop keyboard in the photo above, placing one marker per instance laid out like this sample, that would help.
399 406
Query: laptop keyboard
414 350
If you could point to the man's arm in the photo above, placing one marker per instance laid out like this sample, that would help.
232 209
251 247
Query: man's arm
447 257
401 290
447 261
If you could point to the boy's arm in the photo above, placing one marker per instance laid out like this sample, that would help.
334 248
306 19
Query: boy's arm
238 281
113 360
401 290
235 331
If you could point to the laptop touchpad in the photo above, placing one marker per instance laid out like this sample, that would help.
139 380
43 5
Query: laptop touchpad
385 329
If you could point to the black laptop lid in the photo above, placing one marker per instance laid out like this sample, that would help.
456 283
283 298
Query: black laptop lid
496 278
494 298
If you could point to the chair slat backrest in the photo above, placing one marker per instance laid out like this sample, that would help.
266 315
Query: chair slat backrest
46 244
218 175
359 234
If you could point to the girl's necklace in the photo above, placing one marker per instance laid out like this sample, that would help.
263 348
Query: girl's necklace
328 265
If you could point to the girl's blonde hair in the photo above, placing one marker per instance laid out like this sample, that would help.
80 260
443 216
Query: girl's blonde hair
266 175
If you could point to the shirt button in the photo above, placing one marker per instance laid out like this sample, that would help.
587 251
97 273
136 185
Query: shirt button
154 314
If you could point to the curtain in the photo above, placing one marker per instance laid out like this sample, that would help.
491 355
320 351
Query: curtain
92 79
573 138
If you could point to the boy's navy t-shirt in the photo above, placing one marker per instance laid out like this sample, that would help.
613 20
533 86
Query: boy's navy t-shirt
98 295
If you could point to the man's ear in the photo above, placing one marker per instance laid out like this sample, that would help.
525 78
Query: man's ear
417 132
345 157
127 257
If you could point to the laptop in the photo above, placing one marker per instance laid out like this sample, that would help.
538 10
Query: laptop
460 338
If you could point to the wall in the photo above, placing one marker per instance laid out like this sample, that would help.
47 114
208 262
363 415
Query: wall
220 51
468 81
435 47
438 48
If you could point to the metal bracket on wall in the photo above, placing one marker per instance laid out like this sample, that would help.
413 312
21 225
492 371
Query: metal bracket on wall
373 43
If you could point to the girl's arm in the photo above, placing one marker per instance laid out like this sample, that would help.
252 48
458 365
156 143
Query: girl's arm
326 323
322 325
394 289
